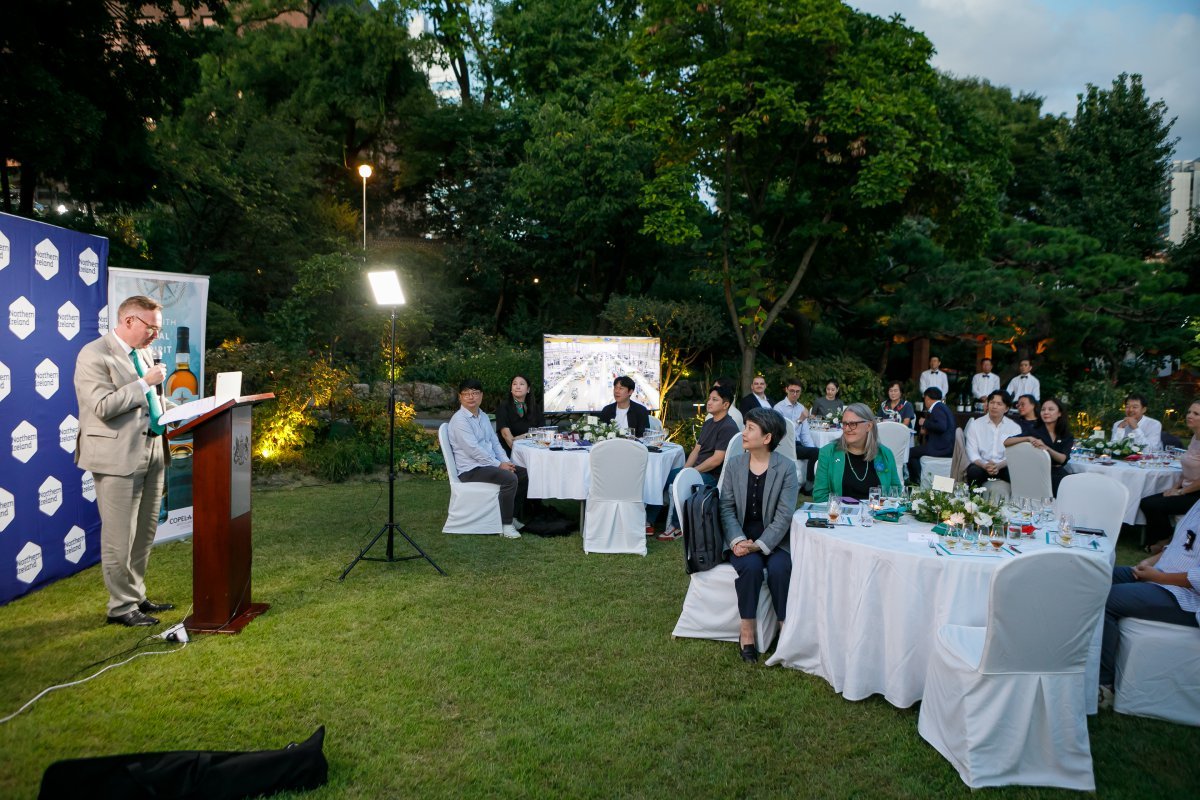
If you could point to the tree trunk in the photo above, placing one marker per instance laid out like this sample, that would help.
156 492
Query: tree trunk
28 189
4 187
749 355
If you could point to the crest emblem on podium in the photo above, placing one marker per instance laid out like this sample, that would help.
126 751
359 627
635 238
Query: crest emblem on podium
241 450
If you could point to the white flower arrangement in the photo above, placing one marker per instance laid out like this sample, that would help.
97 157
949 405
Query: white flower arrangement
933 506
592 429
1096 444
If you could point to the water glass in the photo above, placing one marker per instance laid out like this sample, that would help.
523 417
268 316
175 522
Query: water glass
1048 509
1066 529
865 515
970 537
874 497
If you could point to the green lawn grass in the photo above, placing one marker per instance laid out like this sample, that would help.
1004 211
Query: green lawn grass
531 670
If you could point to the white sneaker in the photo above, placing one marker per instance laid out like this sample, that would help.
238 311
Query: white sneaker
509 532
517 524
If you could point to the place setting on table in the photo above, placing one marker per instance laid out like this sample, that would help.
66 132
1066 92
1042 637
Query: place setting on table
559 466
873 580
1143 471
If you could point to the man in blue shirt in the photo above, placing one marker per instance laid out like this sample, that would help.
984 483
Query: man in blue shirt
480 459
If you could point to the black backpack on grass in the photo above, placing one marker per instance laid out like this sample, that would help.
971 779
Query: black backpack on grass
703 542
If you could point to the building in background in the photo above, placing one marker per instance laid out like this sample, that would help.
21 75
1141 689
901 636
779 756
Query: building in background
1185 198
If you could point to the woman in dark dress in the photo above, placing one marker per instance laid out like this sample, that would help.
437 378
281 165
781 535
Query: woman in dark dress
517 413
1051 433
831 403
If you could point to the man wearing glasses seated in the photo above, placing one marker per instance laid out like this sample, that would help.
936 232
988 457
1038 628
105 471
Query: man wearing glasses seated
480 459
120 442
1164 588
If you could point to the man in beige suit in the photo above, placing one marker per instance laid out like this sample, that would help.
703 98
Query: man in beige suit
120 441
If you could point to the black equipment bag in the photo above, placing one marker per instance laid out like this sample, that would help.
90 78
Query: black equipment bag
703 542
190 774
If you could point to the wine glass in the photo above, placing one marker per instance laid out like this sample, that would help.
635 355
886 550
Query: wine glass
970 537
996 536
865 515
1048 509
835 509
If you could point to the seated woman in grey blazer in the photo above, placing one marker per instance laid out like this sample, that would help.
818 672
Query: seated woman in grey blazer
757 503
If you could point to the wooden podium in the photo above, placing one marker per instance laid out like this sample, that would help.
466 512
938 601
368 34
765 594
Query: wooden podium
222 550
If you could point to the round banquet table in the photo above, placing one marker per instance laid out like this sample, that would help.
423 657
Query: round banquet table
865 604
567 474
823 437
1140 481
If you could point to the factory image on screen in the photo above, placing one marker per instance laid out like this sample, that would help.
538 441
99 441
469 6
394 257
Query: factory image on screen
578 371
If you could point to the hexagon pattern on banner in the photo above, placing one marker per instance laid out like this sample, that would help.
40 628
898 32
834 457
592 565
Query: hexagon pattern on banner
24 442
102 320
45 378
75 544
68 320
45 259
5 248
50 496
22 317
8 508
89 266
87 486
29 563
5 380
68 432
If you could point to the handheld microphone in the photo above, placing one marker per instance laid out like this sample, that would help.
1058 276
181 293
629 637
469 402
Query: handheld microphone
158 360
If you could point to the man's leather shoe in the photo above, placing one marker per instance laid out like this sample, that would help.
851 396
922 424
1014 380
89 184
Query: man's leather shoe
147 606
749 654
133 619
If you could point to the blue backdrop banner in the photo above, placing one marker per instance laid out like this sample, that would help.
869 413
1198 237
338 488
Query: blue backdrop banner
52 287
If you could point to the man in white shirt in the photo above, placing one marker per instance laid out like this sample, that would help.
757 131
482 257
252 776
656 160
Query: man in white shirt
1163 588
984 383
1025 383
985 440
935 377
1142 430
479 457
791 408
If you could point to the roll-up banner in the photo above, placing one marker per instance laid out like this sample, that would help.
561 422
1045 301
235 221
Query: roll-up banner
180 346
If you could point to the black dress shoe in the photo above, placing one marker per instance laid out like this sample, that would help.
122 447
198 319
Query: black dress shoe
133 619
148 606
749 654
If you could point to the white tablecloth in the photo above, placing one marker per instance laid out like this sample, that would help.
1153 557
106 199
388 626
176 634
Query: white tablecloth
865 604
567 474
822 438
1140 481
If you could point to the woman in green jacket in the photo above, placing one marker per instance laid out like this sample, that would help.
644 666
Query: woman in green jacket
852 465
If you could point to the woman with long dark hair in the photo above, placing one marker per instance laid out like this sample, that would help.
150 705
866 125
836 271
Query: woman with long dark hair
517 413
1052 433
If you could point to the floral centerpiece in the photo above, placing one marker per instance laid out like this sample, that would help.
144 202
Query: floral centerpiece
1097 445
592 429
933 506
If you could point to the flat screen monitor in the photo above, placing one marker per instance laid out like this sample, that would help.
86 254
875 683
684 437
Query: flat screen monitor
578 371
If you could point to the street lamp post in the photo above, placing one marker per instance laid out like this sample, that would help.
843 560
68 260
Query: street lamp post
365 171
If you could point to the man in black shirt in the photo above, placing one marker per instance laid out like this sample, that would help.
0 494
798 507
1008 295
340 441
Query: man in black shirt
708 456
626 413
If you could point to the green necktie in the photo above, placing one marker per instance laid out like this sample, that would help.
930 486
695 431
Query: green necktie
151 397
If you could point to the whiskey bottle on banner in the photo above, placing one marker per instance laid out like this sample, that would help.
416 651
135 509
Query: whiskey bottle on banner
182 386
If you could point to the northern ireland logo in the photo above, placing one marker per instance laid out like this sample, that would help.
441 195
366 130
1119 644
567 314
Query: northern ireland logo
50 496
87 485
5 380
68 320
45 378
8 509
45 259
5 249
89 266
22 318
29 563
75 544
24 442
68 432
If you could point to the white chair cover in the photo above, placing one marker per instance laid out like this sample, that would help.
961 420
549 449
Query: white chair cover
1028 471
736 413
655 423
710 609
952 467
1158 671
734 448
895 436
1095 501
1005 704
614 517
474 507
788 446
